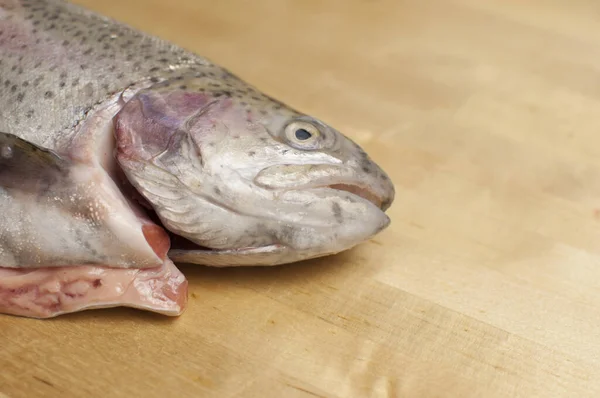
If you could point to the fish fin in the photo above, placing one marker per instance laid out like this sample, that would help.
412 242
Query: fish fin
22 162
58 212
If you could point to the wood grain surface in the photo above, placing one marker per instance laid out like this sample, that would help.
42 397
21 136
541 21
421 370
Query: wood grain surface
486 114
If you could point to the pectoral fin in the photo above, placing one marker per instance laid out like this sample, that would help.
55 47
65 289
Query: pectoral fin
23 164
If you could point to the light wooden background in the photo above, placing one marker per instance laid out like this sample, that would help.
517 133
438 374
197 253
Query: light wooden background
487 116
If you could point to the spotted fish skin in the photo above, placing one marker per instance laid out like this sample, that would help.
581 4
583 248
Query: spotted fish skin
59 60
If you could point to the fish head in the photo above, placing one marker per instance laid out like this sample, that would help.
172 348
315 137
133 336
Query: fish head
239 178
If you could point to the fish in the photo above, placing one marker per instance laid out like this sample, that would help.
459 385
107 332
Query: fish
123 154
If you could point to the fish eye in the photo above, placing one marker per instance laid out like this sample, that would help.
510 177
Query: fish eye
302 134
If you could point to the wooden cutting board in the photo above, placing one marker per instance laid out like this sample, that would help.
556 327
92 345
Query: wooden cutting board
486 114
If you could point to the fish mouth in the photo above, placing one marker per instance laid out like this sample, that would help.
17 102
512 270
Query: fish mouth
362 192
292 177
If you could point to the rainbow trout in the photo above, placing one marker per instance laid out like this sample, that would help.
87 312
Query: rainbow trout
121 153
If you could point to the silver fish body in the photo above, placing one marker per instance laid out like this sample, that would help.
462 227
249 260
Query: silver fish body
135 153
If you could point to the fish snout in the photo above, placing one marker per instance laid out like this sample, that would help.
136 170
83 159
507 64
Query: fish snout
376 185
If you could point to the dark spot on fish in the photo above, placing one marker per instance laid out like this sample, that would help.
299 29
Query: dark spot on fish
263 112
105 86
13 88
154 69
29 114
65 43
384 177
6 83
23 46
52 26
12 36
263 139
14 68
25 83
366 169
154 79
75 82
217 191
120 75
88 51
251 153
337 212
106 46
48 94
183 87
284 151
83 66
211 144
37 65
20 97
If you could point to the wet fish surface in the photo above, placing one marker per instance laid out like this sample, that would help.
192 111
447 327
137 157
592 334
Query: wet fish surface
122 154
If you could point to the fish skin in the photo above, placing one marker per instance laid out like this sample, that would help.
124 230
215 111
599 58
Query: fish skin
209 153
59 60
